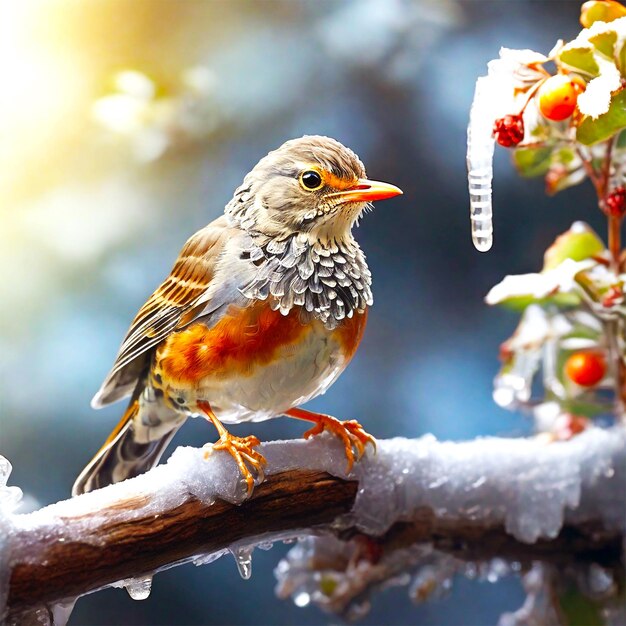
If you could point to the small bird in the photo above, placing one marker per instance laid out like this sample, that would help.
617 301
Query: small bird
262 311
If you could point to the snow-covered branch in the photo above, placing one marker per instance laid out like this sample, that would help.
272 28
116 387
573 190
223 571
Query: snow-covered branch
518 499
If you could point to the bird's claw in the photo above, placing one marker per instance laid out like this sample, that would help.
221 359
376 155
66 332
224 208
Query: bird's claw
351 433
246 457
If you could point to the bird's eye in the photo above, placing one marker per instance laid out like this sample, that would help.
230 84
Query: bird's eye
311 180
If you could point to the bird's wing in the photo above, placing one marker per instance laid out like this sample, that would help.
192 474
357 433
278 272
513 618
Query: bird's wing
181 298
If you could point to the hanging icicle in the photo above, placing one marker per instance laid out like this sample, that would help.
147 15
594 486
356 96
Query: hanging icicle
480 147
494 99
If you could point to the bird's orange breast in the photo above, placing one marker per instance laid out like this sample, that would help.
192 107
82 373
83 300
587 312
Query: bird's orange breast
242 340
350 332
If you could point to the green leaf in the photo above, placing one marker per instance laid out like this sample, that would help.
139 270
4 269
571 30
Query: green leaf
560 300
580 610
564 155
606 125
605 42
578 406
580 60
580 242
621 60
532 161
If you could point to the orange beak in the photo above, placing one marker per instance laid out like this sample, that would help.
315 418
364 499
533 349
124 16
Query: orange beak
367 191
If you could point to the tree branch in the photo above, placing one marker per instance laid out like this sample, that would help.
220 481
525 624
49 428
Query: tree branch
122 546
135 528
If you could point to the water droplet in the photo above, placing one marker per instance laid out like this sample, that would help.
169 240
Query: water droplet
492 577
139 588
243 560
302 599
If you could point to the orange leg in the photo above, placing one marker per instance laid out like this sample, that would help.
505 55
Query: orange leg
240 448
350 432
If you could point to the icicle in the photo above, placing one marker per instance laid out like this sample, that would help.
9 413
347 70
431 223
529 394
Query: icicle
480 146
243 560
139 588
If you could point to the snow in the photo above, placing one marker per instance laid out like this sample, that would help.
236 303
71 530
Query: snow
538 286
530 486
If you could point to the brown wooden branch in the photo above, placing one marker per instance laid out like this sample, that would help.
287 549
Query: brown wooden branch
52 567
115 550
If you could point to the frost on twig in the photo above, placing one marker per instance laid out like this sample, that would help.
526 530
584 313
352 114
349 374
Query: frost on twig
518 499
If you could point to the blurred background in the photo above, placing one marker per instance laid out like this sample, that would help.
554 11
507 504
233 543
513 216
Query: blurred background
126 125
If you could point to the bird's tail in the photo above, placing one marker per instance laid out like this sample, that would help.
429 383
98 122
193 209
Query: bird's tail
126 453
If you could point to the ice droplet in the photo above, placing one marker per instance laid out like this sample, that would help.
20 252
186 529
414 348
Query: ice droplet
243 560
139 588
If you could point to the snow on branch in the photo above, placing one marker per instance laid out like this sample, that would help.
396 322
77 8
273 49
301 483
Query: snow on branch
518 499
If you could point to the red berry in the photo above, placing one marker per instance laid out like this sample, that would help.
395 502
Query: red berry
558 96
615 202
586 369
509 130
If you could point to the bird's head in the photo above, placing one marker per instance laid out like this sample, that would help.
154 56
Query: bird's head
312 185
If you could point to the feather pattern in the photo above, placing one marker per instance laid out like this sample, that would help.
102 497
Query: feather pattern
329 279
180 299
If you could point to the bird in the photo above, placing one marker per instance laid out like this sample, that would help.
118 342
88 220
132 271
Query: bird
262 311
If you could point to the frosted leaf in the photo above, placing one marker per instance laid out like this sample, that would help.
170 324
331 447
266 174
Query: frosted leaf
540 285
139 588
596 98
517 63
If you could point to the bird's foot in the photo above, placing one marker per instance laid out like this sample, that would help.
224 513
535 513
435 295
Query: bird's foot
351 433
246 457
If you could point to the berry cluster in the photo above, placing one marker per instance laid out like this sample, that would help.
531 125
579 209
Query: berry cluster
556 96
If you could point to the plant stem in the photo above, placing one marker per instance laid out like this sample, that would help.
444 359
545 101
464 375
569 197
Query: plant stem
615 241
614 328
